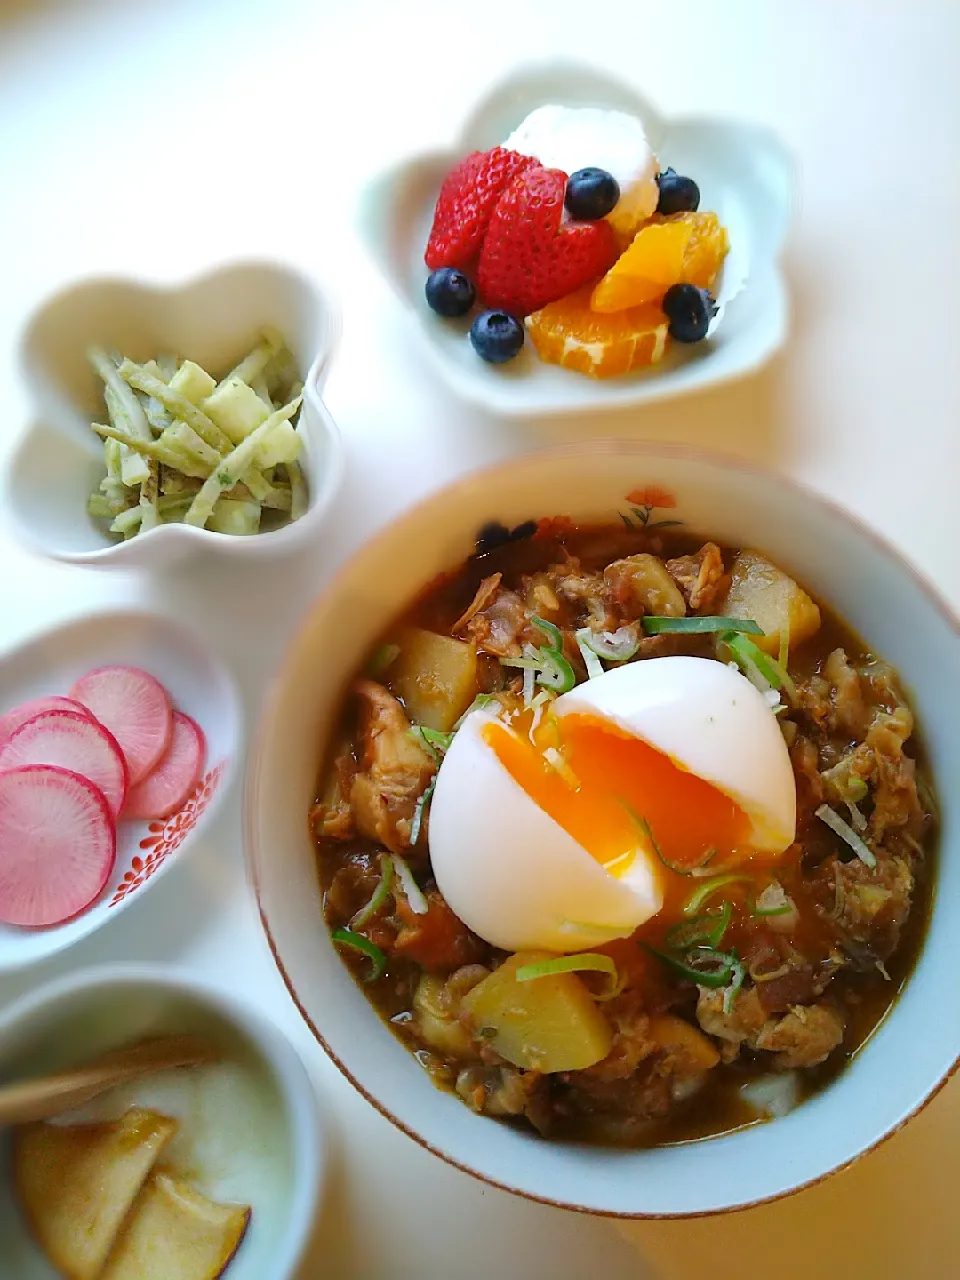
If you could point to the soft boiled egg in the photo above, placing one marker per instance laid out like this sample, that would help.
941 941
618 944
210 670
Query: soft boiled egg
542 835
572 138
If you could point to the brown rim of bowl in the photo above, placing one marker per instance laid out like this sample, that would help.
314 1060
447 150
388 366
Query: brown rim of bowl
644 448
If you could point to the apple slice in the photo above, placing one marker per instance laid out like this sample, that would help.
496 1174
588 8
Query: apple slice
76 1183
174 1233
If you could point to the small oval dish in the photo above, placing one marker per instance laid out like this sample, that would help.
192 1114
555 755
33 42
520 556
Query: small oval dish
199 686
248 1126
213 320
745 175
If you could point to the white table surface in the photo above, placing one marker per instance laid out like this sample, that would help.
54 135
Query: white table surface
268 116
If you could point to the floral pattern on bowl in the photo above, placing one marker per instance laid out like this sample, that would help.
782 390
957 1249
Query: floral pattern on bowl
213 319
745 174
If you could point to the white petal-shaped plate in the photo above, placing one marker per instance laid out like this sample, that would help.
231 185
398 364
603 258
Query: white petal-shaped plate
745 175
213 320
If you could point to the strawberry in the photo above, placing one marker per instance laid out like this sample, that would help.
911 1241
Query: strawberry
466 201
529 257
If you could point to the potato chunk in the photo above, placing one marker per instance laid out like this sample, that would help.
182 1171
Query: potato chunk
549 1024
759 590
436 676
441 1031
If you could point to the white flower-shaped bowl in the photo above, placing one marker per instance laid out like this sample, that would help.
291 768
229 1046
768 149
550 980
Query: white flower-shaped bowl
745 175
199 685
263 1144
911 1053
213 320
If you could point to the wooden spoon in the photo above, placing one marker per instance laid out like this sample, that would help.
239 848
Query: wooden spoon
46 1096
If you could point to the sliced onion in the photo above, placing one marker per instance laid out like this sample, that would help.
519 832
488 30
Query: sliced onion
592 662
412 891
773 1095
846 834
556 761
529 683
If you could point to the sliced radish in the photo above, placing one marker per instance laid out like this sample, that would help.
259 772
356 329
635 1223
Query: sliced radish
27 710
175 778
71 740
135 708
58 844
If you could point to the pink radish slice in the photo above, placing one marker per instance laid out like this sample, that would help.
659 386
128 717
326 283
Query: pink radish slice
135 708
27 710
71 740
58 844
175 778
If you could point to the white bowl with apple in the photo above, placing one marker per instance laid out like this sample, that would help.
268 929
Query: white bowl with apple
238 1157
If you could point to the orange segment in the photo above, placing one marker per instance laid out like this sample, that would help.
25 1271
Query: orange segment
685 248
646 271
706 249
570 334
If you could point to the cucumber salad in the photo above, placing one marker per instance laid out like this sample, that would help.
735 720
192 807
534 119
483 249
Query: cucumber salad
181 447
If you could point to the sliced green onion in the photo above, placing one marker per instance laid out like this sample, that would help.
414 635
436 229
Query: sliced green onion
557 673
380 894
856 790
412 891
592 662
645 830
784 655
357 942
722 966
550 630
771 901
707 929
706 891
419 812
753 661
524 663
734 985
480 701
615 646
699 626
434 741
847 834
586 962
384 656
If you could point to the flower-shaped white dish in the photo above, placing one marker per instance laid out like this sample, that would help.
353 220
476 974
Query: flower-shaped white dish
213 320
199 685
745 175
250 1127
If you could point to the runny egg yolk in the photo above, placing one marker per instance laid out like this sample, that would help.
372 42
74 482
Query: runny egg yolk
595 780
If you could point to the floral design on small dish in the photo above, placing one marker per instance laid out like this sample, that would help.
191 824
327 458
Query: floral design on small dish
643 502
165 837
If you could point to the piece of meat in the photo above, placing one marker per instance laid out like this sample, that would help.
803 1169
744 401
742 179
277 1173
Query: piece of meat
851 713
486 592
631 1042
539 595
332 816
804 1037
701 577
506 1091
638 1098
437 940
806 771
351 889
501 626
394 769
586 590
866 907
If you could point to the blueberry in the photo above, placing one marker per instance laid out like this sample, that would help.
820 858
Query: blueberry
689 311
496 336
449 292
677 194
591 194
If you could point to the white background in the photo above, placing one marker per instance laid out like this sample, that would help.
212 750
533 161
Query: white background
158 138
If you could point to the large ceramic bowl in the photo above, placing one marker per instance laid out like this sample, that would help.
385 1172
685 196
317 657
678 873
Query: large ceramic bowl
913 1051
